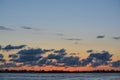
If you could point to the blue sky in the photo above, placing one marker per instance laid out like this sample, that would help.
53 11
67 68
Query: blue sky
81 19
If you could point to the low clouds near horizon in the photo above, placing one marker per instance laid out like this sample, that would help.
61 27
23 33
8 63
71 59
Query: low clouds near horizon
33 57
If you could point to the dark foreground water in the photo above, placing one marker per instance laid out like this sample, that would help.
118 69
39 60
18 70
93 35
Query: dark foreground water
60 76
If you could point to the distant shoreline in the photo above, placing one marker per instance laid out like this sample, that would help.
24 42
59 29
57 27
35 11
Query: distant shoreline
55 71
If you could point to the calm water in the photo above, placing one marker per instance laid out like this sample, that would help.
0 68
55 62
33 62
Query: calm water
58 76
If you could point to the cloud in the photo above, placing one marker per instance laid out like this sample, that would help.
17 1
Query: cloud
59 57
55 56
33 51
70 61
1 58
26 27
102 58
61 51
97 59
76 40
73 39
8 65
116 64
89 51
42 61
59 34
0 47
10 47
85 62
116 38
48 50
58 54
5 28
29 56
52 62
101 36
13 56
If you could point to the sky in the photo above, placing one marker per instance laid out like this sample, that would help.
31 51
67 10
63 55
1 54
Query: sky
83 29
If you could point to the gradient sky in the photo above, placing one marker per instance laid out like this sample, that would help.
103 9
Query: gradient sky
76 25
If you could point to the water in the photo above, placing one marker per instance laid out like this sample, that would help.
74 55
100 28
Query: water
59 76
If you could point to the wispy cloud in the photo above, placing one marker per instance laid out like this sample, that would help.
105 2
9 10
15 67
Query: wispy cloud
30 28
116 38
59 34
73 39
5 28
25 27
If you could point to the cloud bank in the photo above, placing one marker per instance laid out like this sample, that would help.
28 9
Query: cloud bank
35 57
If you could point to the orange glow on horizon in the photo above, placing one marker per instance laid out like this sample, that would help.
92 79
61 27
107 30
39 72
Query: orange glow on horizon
50 68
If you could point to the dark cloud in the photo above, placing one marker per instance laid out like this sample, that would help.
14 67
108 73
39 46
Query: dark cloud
61 51
52 62
85 62
5 28
62 58
48 50
101 36
116 38
1 58
26 27
58 54
8 65
0 47
42 61
32 51
70 61
89 51
29 56
102 58
97 59
10 47
104 55
33 57
13 56
55 56
58 57
116 64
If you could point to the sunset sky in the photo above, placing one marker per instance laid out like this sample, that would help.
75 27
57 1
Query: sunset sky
41 34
